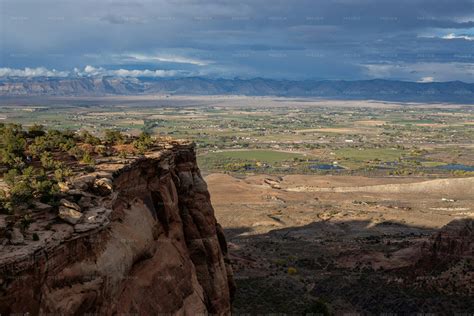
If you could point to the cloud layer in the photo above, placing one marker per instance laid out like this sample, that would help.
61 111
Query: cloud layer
295 39
91 71
88 71
32 72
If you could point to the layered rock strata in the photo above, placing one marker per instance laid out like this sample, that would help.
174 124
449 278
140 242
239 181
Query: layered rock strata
136 236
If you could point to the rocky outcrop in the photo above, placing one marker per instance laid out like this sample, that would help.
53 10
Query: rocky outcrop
446 260
452 243
147 242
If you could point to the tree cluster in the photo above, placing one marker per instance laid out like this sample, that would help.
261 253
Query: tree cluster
34 161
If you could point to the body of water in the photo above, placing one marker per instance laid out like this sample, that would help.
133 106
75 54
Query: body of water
457 167
325 167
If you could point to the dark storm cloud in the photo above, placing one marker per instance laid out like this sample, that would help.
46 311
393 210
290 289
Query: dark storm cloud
348 39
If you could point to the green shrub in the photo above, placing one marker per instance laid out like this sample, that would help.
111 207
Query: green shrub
51 141
21 193
3 202
62 172
90 139
87 159
25 222
47 160
29 185
76 152
45 190
12 144
114 137
36 130
143 143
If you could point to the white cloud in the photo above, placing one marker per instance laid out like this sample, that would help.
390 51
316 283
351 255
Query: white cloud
32 72
434 71
144 73
451 36
91 71
168 59
427 79
88 71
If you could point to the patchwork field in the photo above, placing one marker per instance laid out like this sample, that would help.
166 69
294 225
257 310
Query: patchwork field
268 156
278 135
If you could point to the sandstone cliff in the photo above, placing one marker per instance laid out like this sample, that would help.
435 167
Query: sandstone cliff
135 236
452 243
446 260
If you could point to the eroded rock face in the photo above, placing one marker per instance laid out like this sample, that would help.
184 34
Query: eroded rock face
151 246
453 242
446 260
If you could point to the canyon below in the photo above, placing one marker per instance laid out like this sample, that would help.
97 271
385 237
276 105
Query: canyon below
351 244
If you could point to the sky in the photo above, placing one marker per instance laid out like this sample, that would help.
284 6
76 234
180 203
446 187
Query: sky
413 40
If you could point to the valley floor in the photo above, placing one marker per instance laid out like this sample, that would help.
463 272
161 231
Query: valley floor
346 243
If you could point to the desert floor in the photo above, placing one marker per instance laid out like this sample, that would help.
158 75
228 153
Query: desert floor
343 240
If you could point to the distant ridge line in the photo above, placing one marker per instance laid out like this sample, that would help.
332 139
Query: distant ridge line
376 89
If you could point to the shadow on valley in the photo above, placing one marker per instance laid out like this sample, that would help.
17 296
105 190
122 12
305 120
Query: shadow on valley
331 267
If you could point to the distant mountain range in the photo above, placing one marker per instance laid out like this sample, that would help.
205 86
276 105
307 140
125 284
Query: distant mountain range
388 90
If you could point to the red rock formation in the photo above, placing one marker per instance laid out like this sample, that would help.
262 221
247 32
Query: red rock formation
453 242
446 260
151 246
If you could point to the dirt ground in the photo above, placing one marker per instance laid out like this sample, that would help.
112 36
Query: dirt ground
339 241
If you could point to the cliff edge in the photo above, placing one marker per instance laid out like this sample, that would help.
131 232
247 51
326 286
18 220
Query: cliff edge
134 236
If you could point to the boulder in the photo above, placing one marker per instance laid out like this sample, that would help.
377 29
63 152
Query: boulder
103 186
104 174
63 186
69 215
274 184
84 183
69 204
93 218
16 237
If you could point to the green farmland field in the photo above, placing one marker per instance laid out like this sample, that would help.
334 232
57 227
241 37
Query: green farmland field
268 156
361 155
